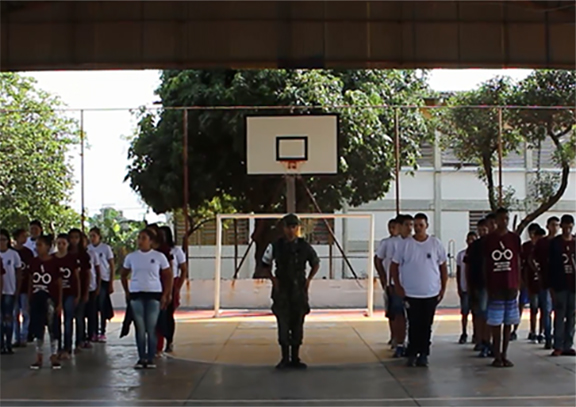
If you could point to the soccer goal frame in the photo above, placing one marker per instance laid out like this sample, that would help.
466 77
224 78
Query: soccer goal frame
370 265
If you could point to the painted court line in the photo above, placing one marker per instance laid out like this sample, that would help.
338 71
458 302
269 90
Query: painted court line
284 401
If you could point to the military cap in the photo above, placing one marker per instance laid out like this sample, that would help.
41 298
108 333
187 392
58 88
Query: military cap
291 220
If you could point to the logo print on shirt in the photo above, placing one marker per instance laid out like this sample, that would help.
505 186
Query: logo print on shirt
502 258
46 278
65 272
152 261
9 262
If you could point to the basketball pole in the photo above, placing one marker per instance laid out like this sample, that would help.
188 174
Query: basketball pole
290 193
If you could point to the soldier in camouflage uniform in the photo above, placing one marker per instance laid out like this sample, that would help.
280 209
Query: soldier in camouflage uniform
290 288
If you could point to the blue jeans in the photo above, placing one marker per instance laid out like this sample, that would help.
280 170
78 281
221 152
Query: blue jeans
7 323
102 296
564 319
21 307
69 311
145 313
543 302
80 317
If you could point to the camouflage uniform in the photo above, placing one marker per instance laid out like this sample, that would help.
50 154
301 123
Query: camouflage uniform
290 296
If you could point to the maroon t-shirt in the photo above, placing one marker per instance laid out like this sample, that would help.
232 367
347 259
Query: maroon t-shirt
530 276
568 253
83 261
542 257
26 255
45 276
502 259
67 265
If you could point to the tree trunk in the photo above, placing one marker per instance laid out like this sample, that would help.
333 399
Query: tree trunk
545 206
487 164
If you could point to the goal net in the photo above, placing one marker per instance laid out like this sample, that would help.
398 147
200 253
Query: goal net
346 275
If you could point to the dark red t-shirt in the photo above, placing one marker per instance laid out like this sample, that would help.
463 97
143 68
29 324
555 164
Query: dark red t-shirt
542 257
529 275
26 256
67 265
83 261
568 254
502 260
45 276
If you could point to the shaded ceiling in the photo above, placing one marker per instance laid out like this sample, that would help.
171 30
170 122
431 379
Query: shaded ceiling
358 34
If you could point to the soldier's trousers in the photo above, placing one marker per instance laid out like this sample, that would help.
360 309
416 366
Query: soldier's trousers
290 328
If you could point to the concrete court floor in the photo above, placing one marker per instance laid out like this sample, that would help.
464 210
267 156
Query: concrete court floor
349 365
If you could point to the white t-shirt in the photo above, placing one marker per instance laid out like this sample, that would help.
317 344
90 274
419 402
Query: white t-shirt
10 261
383 254
146 268
179 258
419 266
389 254
104 253
94 261
31 244
460 263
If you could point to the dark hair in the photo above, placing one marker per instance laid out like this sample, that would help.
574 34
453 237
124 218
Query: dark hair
46 239
157 234
36 223
18 232
421 215
567 219
399 219
534 227
5 233
490 216
393 221
540 232
552 219
96 230
406 217
471 233
149 232
502 211
167 235
81 247
62 236
482 223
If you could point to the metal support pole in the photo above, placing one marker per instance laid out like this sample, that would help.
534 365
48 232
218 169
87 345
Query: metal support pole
397 159
82 203
291 193
218 268
500 192
370 310
186 185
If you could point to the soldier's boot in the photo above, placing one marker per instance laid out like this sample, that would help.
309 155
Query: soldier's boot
295 361
285 361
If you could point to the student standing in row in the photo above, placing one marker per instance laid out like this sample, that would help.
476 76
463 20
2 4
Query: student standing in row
69 269
35 232
503 280
78 249
420 275
463 288
382 265
94 292
107 271
45 301
563 285
11 281
146 294
180 272
21 332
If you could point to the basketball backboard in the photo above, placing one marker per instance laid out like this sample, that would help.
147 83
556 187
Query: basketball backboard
311 140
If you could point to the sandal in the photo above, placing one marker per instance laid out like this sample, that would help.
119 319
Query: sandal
497 363
507 363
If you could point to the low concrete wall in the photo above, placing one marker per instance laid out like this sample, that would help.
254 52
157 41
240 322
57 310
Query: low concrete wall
255 294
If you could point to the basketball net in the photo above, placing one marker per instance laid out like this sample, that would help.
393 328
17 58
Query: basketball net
292 166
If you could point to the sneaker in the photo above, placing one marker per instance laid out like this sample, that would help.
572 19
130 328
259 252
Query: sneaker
283 364
169 348
393 344
548 345
101 338
87 345
36 366
141 364
422 361
513 336
532 337
298 364
485 352
540 338
569 352
399 352
56 365
463 339
557 352
151 365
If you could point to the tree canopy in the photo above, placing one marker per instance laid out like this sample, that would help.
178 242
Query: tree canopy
217 154
35 174
472 133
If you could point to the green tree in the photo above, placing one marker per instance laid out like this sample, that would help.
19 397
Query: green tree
120 233
35 174
472 133
217 153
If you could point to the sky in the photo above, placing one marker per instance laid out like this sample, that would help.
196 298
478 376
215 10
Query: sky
106 130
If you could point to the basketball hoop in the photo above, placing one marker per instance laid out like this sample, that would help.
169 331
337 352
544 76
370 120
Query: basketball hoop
292 166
